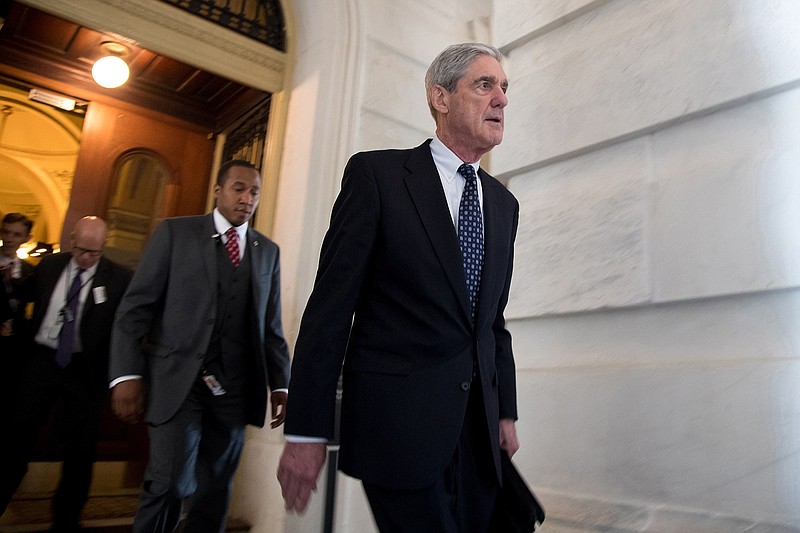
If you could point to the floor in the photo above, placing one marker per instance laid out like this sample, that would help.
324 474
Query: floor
102 514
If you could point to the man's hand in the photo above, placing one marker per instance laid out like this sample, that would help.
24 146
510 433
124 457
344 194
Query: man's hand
278 401
508 436
127 400
298 471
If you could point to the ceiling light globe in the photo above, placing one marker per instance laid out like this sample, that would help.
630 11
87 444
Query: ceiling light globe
110 72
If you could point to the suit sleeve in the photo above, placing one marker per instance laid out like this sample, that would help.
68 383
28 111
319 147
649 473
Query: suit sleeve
277 353
325 327
140 306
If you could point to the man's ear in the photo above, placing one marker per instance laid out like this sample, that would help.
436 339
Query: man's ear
439 98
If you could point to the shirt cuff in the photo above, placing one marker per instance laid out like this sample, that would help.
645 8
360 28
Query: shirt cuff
304 439
120 379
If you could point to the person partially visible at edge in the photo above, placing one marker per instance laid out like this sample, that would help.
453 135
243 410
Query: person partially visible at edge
75 295
200 326
15 231
408 304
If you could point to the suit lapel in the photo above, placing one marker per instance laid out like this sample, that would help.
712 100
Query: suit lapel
426 192
49 281
256 266
208 240
48 277
491 222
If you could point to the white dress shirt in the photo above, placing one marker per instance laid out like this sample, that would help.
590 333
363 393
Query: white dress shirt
47 335
447 164
222 225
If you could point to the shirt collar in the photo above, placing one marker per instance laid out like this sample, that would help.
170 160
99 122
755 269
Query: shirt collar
74 268
221 224
446 161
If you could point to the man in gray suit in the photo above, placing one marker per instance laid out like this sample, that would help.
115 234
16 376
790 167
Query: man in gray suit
200 326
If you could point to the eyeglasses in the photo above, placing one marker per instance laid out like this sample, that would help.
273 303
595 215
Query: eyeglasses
91 253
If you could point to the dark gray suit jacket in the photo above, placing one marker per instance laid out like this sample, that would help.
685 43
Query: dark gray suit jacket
165 321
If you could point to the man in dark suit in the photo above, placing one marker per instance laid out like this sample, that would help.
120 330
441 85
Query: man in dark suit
201 324
75 296
409 297
15 231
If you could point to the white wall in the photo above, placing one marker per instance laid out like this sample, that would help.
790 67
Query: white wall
318 136
653 146
654 149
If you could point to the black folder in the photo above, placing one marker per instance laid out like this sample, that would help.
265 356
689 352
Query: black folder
517 509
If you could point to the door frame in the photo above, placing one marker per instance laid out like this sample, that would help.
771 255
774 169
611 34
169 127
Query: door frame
186 37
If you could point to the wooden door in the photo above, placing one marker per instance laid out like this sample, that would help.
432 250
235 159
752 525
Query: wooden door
110 135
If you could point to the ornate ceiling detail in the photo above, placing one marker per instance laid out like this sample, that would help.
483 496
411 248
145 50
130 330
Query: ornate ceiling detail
261 20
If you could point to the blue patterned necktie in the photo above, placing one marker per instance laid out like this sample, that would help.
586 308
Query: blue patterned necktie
66 338
470 234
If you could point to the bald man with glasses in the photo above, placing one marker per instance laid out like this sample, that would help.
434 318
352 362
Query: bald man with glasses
75 296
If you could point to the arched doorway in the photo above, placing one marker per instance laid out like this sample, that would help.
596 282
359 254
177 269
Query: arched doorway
209 46
38 154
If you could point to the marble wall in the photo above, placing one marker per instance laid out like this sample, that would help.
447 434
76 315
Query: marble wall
654 150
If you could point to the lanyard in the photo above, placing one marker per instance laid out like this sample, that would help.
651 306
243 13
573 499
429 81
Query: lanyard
69 297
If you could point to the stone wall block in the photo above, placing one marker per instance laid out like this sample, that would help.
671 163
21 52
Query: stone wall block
518 19
581 242
687 434
726 210
624 69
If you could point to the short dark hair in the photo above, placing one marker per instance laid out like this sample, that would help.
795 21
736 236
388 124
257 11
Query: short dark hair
222 175
13 218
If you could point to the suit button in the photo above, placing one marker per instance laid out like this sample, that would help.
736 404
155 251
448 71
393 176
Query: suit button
210 321
198 355
465 386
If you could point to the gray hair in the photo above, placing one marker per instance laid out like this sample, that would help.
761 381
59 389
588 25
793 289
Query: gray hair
452 64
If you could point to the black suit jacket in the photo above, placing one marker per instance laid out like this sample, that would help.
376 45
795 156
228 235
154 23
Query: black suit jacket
390 304
16 292
5 309
97 317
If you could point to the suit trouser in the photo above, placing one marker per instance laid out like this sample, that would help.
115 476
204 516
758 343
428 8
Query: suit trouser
462 500
194 454
40 384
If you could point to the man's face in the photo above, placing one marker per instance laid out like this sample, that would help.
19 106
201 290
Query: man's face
14 235
238 196
473 122
87 248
